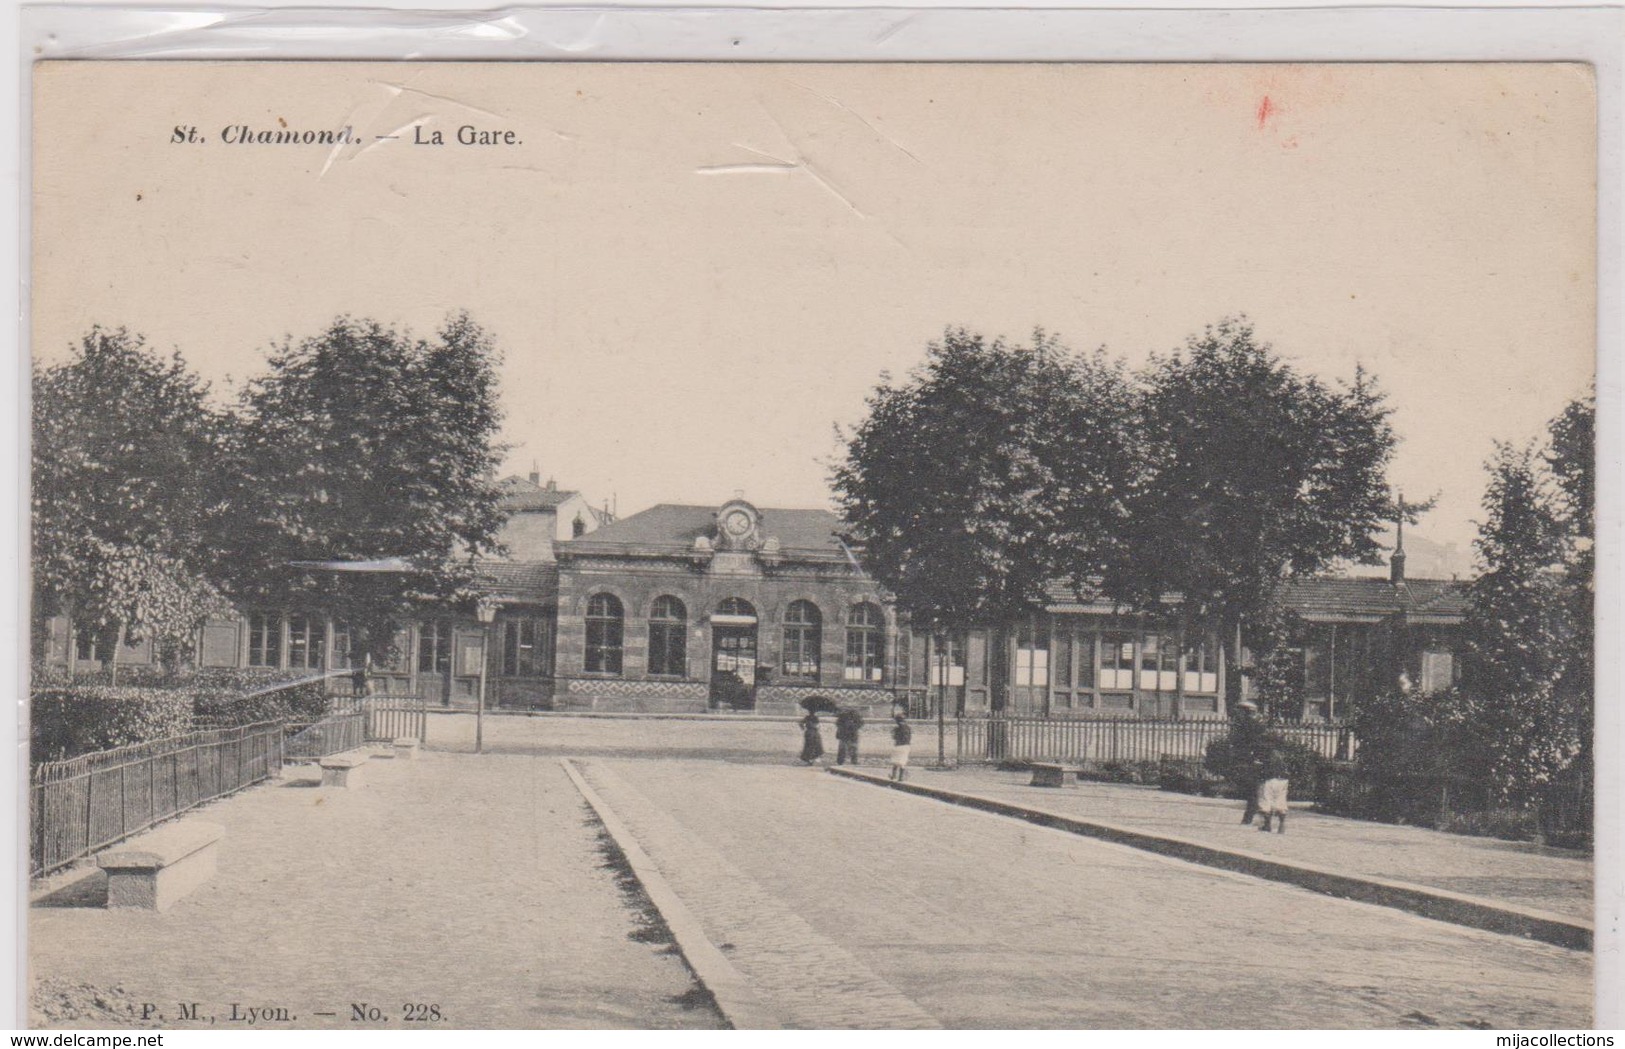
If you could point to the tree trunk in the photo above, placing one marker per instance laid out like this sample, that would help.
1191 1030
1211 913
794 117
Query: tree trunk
112 659
998 670
1237 681
1179 665
73 642
998 692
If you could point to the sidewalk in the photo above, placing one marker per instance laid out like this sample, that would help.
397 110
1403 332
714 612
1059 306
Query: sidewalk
1515 875
474 885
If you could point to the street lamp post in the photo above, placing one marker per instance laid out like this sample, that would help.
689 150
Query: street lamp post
942 703
486 613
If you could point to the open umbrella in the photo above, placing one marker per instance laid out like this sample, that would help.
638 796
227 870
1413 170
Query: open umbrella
819 705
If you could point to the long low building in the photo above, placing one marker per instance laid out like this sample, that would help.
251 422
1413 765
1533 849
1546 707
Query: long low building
684 608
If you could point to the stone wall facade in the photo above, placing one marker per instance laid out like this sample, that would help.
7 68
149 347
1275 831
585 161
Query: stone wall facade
703 588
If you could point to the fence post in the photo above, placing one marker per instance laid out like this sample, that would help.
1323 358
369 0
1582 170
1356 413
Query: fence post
42 821
90 802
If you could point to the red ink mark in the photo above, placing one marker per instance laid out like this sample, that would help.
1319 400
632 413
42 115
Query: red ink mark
1265 110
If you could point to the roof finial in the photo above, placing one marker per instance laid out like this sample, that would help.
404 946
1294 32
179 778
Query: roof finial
1396 564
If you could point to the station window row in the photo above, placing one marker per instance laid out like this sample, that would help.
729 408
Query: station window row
801 635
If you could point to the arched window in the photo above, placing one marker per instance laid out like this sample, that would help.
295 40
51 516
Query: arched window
605 628
803 637
865 643
668 637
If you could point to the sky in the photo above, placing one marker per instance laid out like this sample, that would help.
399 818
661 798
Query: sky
696 272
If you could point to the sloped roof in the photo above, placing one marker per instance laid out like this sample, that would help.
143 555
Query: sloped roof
1324 599
521 493
671 528
530 580
1328 599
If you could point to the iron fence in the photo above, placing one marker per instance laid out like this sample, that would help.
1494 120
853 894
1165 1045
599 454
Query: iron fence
333 734
89 802
998 737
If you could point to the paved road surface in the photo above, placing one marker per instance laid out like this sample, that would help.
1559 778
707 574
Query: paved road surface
852 906
1522 874
471 883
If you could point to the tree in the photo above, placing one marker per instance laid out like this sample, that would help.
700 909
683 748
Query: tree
993 471
1256 474
1529 624
365 444
126 458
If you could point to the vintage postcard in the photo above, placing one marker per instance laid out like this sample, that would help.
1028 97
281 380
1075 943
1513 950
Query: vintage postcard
781 546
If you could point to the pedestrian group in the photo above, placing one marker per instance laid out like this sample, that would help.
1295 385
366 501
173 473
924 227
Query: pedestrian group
848 725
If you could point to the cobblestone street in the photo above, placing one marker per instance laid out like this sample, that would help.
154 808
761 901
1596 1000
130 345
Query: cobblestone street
982 921
478 883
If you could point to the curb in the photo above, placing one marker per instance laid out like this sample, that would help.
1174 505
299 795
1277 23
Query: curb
735 999
1439 904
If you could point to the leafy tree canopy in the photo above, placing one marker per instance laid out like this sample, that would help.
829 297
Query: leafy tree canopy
1572 459
993 470
126 452
364 443
1256 473
1529 624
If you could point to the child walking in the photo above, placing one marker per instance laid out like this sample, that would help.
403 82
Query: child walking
901 737
1272 795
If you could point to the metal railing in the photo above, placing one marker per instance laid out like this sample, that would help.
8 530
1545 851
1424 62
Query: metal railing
333 734
89 802
995 737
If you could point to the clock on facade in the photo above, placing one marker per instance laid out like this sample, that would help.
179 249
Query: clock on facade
737 524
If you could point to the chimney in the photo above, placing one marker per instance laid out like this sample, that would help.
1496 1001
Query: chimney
535 472
1396 563
552 485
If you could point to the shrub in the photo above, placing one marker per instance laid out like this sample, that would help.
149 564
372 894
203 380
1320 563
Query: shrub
1146 772
72 720
1508 824
238 699
1189 776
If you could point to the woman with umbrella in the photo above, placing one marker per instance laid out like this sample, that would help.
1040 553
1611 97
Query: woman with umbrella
812 742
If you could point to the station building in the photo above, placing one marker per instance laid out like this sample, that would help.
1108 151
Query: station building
689 608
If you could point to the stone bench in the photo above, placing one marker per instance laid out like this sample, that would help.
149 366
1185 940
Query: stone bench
1046 774
407 748
343 770
156 869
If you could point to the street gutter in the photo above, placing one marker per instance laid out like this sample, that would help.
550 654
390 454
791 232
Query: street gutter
735 999
1438 904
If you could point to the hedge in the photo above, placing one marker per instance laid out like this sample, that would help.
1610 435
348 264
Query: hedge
73 720
68 720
